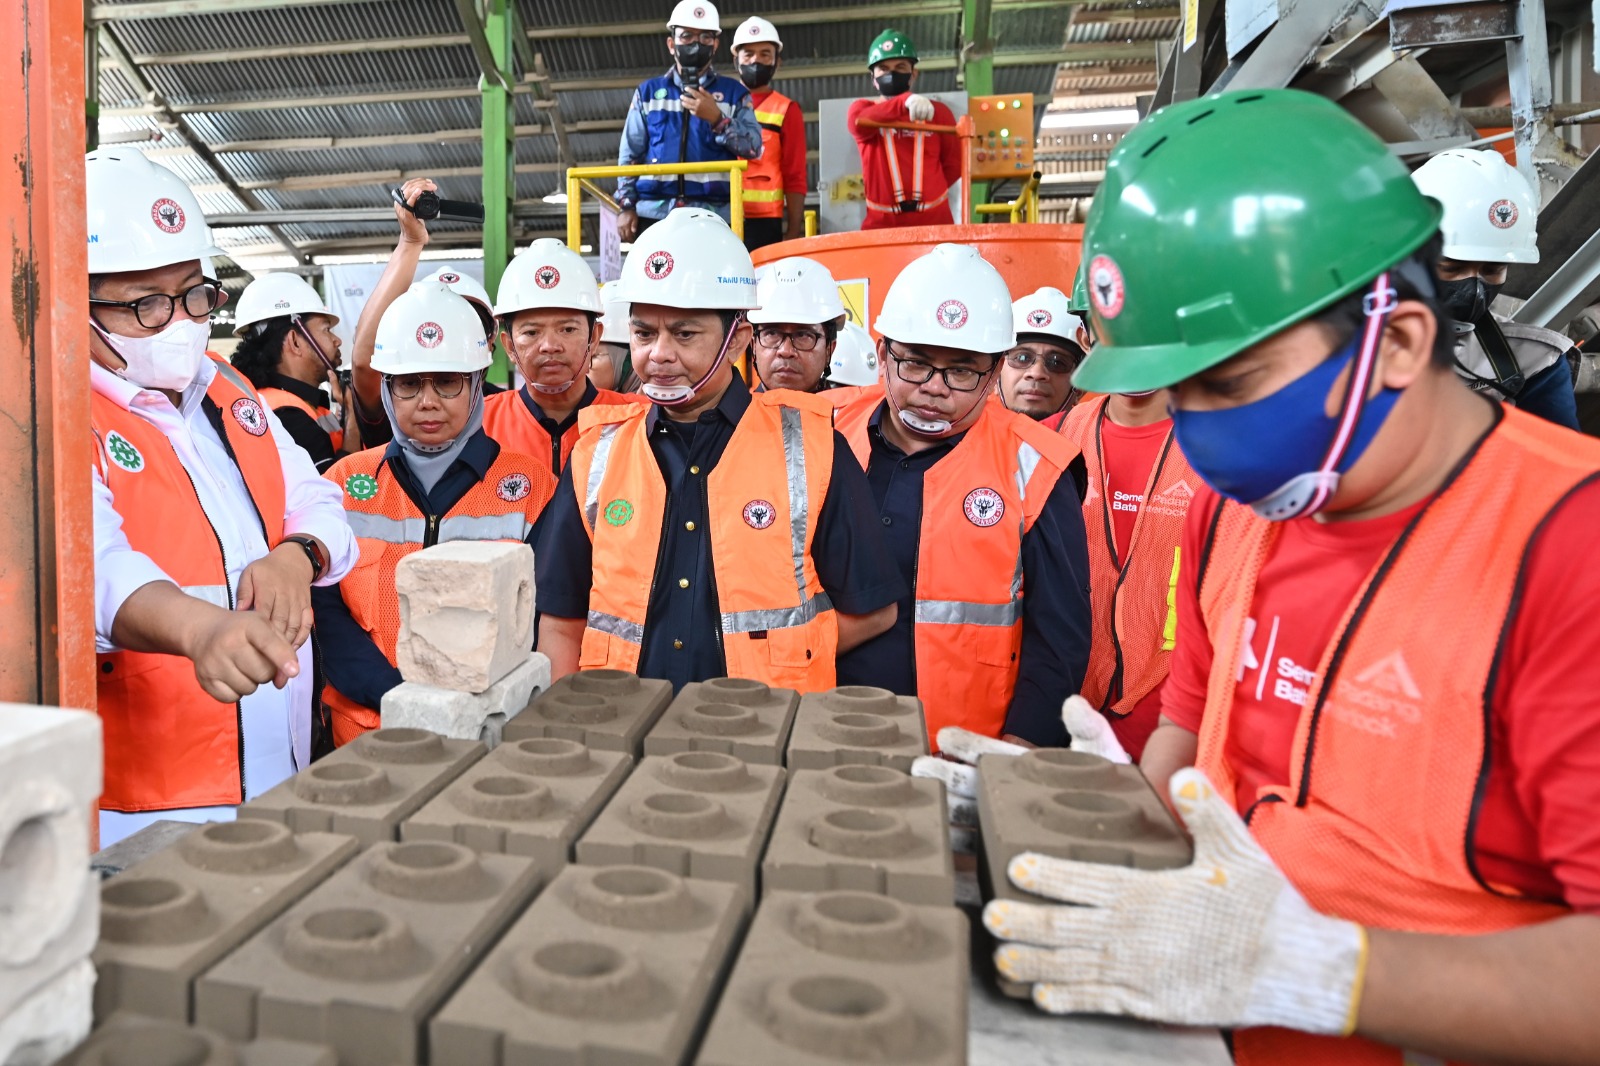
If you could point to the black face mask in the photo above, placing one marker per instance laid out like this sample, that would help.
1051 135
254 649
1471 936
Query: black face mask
1468 299
693 58
893 83
755 75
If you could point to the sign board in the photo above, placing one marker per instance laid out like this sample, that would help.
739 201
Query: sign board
610 246
854 294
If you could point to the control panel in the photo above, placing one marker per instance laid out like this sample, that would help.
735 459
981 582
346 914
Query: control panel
1004 127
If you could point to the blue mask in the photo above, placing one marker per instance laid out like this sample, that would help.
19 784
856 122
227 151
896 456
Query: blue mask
1269 453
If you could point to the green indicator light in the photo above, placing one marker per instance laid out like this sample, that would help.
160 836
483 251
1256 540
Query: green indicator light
1016 103
1005 133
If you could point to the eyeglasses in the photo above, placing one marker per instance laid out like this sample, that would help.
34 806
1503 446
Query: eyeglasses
956 378
1022 359
445 386
155 310
690 36
804 340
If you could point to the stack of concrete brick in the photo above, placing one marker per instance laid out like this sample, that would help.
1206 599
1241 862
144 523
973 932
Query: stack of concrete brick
466 627
49 900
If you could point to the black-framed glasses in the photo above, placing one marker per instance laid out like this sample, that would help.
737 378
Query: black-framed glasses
1022 359
155 310
804 340
446 386
956 378
691 36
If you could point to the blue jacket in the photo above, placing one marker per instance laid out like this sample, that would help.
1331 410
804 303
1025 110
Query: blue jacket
653 133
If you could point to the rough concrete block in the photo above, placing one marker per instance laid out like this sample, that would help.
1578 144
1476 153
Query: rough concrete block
51 1020
532 797
609 710
727 714
466 715
369 786
844 977
610 966
696 814
133 1040
167 920
864 828
50 777
466 613
1071 805
857 724
362 961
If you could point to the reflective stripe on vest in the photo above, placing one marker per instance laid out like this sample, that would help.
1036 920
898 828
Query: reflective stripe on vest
924 205
597 472
632 632
412 530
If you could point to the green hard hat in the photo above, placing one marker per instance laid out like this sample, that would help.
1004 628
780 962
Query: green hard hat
891 44
1225 220
1079 304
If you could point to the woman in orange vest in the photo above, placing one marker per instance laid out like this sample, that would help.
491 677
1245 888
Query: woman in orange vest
288 350
775 181
1380 661
441 478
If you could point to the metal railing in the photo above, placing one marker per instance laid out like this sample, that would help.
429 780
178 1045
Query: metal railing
581 180
1025 208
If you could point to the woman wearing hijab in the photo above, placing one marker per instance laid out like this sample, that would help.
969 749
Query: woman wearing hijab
440 479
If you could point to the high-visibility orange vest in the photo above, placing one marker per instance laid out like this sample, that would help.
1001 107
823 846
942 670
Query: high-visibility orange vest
978 502
1133 600
389 526
323 416
763 178
1375 822
506 418
843 396
762 503
167 743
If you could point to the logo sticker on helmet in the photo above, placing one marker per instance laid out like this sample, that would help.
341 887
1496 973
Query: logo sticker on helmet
122 452
449 279
758 514
657 265
1105 286
430 334
699 12
249 415
547 277
514 487
983 507
361 486
952 314
619 512
1040 317
167 215
1503 214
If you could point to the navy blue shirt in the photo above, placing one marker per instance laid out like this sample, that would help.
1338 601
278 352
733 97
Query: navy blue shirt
555 429
1055 606
682 631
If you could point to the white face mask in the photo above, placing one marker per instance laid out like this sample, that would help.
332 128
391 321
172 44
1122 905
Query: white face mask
169 360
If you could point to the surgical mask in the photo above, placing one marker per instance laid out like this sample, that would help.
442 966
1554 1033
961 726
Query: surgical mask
678 395
692 58
893 83
1467 300
168 360
1282 455
756 75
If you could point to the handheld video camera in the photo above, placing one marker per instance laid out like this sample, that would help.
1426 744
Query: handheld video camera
430 206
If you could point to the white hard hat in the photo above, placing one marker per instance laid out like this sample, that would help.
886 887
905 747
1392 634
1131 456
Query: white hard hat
855 358
141 216
614 322
429 328
695 15
756 30
952 297
692 260
547 274
464 285
1047 311
797 290
275 296
1490 213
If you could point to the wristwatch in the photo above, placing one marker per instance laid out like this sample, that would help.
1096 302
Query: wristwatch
313 553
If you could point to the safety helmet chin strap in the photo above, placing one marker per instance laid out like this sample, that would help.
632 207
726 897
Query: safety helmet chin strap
300 328
900 412
694 390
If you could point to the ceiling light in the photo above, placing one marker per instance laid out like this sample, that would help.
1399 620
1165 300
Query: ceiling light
555 197
1114 116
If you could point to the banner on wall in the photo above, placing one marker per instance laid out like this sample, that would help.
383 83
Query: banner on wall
346 287
610 246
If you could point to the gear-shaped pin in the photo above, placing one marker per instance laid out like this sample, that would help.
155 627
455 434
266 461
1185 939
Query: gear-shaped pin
361 486
123 453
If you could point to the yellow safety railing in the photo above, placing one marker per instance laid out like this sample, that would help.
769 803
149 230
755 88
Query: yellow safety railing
811 223
1025 208
580 180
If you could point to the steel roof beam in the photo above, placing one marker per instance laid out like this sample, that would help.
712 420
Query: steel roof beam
164 9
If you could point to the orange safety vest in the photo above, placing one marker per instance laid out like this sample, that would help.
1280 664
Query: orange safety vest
323 416
389 526
843 396
762 503
763 178
978 502
506 418
1391 751
1133 600
167 743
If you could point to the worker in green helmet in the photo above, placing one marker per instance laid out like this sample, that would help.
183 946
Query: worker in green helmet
907 175
1380 657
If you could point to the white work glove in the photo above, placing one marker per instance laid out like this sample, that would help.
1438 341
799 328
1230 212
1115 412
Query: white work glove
919 107
1086 726
1225 941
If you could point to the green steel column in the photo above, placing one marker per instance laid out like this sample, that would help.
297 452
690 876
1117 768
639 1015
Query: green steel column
977 71
499 157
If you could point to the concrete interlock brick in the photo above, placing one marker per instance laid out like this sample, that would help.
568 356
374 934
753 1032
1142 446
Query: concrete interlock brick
362 961
611 966
857 724
168 919
467 715
368 787
51 1020
530 797
728 714
832 977
466 613
607 710
696 814
863 828
135 1040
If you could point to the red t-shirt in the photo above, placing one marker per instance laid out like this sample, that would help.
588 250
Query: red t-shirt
1537 829
791 143
1130 454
